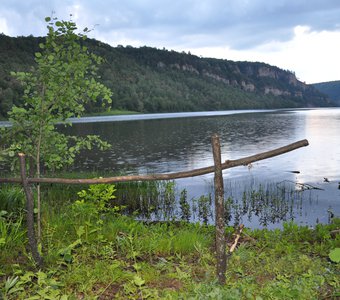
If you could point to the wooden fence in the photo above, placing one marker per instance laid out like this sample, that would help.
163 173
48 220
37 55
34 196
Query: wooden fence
217 168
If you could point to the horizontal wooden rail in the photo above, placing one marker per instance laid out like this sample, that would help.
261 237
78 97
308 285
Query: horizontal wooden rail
168 176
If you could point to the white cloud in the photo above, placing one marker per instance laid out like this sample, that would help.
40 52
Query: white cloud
3 26
311 55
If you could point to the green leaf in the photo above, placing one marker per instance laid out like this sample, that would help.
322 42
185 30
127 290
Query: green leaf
137 280
68 258
334 255
80 231
47 19
137 267
37 54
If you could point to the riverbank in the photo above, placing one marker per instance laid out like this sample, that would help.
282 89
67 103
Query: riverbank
91 251
115 112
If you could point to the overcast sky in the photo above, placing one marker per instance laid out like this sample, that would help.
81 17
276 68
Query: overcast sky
297 35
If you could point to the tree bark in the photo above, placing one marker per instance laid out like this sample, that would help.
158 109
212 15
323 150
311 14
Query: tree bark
29 212
220 238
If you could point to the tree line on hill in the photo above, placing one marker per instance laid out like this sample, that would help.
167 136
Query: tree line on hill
331 89
151 80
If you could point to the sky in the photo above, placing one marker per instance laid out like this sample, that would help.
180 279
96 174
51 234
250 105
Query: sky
302 36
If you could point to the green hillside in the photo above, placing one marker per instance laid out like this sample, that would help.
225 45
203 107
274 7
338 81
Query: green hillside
151 80
331 89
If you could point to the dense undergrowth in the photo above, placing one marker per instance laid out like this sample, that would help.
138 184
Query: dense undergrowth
92 251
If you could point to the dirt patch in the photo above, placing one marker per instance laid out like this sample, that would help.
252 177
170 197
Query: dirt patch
166 283
106 292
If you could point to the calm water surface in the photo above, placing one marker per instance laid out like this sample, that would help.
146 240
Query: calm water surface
163 143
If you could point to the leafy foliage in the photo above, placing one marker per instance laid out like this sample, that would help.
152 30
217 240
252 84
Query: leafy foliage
59 85
101 195
334 255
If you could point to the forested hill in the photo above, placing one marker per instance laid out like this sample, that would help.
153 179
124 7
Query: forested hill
331 89
151 80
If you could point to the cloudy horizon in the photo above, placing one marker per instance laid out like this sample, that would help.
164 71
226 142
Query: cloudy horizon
301 36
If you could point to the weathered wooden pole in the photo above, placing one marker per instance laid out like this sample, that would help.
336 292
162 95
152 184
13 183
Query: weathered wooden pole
220 239
29 212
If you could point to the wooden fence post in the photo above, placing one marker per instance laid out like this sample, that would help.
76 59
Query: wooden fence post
220 239
29 212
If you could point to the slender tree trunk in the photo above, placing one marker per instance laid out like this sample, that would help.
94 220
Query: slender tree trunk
31 172
38 163
220 241
38 198
30 212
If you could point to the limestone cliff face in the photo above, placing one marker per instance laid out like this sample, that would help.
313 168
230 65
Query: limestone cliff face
248 86
216 77
189 68
275 92
267 72
278 74
250 77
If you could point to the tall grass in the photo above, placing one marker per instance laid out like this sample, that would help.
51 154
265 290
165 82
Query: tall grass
12 198
12 232
268 203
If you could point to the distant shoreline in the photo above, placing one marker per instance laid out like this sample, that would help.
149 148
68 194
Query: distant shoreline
124 115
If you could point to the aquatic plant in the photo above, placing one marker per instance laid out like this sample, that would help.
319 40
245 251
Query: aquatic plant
185 212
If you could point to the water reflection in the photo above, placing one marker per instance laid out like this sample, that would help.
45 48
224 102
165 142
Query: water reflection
322 130
180 144
171 145
157 145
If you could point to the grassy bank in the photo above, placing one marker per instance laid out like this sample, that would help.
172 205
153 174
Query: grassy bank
91 251
115 112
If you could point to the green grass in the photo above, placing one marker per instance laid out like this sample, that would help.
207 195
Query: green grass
93 255
12 198
114 112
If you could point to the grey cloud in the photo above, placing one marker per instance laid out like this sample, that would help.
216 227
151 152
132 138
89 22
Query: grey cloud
240 24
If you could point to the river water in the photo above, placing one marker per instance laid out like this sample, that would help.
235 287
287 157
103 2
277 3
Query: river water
161 143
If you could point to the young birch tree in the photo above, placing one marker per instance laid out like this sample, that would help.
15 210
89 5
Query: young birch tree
63 80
